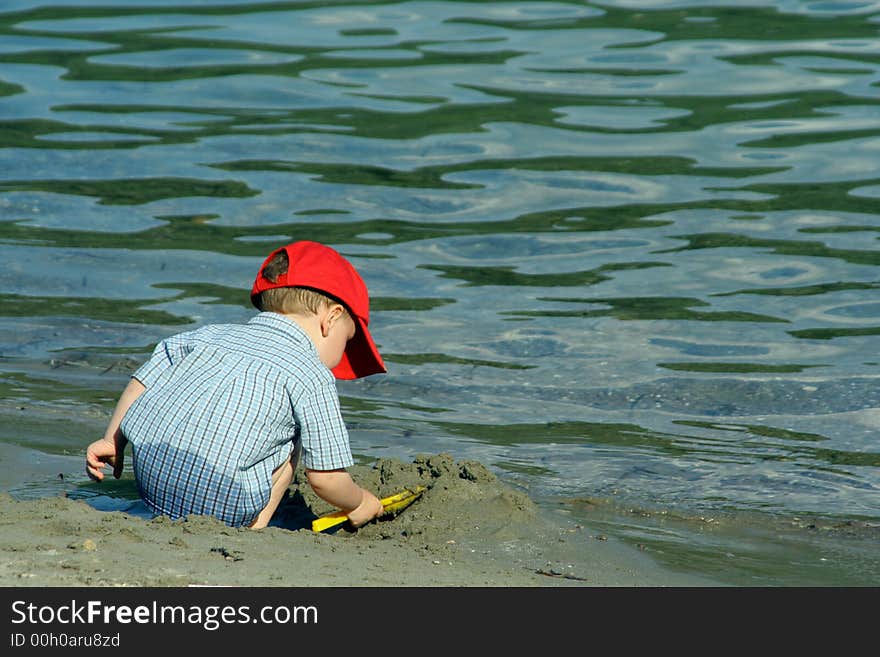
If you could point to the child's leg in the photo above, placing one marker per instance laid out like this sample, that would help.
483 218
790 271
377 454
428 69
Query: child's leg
281 479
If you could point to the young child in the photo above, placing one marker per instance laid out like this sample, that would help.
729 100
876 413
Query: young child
218 417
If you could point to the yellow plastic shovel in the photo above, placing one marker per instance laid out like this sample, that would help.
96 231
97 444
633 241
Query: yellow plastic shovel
393 504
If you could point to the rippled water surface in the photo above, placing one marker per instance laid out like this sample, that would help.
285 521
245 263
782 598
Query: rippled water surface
618 250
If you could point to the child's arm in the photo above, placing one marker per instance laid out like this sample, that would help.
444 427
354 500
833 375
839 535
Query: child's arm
338 488
110 449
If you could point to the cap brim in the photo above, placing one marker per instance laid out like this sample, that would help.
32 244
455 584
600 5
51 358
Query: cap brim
361 357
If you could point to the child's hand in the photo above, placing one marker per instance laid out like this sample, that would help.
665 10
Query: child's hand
100 454
369 508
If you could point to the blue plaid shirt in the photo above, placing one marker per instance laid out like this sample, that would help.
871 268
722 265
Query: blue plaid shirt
224 406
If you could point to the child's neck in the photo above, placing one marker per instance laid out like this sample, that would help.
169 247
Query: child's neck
310 323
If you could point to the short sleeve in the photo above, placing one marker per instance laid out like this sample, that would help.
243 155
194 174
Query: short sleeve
324 436
167 353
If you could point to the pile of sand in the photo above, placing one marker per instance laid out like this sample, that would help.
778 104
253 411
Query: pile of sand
460 498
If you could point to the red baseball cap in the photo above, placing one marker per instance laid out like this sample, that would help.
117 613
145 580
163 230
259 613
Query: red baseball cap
321 268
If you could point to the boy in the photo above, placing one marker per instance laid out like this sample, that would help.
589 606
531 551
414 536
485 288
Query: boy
218 416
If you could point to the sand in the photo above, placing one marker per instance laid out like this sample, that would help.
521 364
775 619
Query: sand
467 529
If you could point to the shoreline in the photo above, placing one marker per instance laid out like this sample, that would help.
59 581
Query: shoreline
520 542
467 529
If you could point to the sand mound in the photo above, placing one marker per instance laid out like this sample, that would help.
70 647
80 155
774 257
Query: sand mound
462 497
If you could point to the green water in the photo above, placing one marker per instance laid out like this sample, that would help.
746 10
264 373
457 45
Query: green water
625 254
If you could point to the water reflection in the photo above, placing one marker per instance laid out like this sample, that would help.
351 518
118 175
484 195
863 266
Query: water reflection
616 246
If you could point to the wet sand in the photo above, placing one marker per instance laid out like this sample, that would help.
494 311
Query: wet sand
467 529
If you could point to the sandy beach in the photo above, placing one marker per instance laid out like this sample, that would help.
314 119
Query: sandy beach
467 529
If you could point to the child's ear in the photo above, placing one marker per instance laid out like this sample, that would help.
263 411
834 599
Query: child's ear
335 313
330 316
